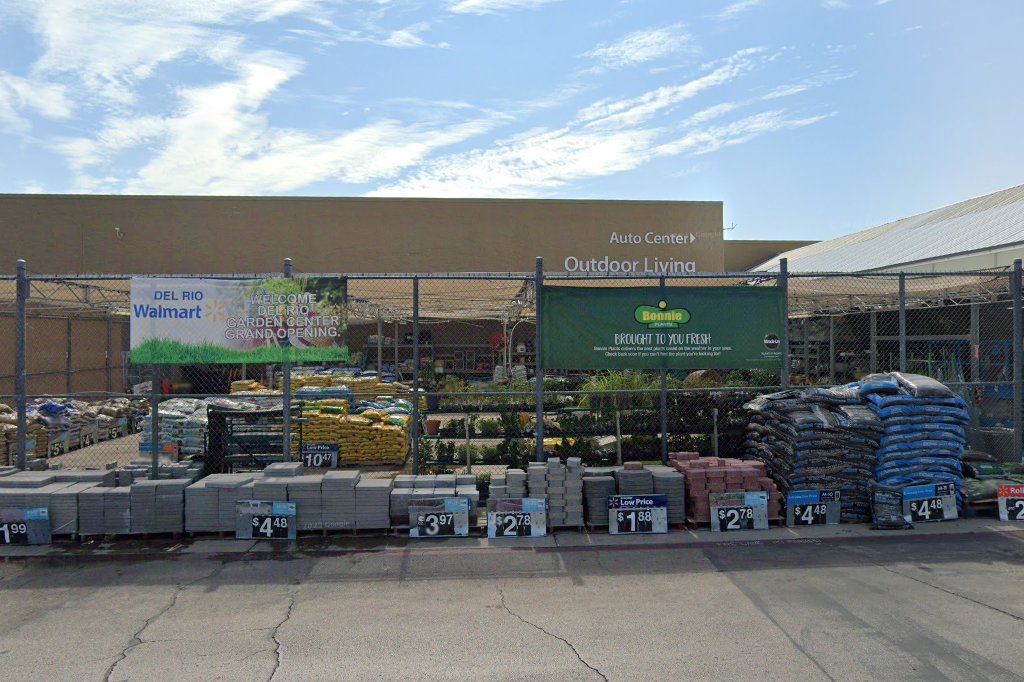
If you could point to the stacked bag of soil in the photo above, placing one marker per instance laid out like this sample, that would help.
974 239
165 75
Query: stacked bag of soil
924 433
817 439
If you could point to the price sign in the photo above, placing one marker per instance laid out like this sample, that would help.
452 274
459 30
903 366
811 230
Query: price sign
630 514
1011 502
527 517
58 447
935 502
265 520
25 526
813 507
320 455
439 518
85 440
738 511
113 432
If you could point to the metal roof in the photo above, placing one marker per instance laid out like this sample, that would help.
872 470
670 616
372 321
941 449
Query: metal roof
978 224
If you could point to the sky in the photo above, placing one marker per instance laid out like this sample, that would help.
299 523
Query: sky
809 119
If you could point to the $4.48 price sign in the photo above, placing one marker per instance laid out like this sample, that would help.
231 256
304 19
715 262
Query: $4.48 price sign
813 507
1011 502
271 527
935 502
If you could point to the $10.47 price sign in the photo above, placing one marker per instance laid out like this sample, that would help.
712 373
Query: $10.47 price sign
628 514
738 511
318 455
1011 502
527 517
936 502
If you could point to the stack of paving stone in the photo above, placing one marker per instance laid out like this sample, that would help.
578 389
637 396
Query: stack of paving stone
28 479
64 508
210 502
283 469
90 511
157 506
305 492
101 477
117 511
401 496
271 488
373 497
465 486
671 484
515 483
634 481
556 492
537 480
706 475
574 491
338 491
596 491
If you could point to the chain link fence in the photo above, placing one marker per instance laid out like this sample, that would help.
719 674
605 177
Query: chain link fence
449 365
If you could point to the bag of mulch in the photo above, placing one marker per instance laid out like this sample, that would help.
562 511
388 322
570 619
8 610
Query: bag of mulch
887 508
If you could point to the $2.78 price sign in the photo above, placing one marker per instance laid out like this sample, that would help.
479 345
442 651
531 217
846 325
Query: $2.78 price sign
512 524
271 527
734 518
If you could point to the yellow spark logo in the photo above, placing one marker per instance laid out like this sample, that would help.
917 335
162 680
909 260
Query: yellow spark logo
215 311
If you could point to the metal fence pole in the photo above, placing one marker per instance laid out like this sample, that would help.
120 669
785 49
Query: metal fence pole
109 362
903 322
69 334
664 394
783 284
286 388
831 350
414 432
1018 361
20 368
539 388
154 422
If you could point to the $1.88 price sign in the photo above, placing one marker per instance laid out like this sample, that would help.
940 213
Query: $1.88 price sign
634 520
13 533
270 527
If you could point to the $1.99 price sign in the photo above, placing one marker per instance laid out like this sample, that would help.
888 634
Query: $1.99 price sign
1011 502
24 526
13 533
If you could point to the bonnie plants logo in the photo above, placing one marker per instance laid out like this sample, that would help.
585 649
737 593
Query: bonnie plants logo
661 317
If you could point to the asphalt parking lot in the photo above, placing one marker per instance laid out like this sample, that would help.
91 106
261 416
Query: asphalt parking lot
929 605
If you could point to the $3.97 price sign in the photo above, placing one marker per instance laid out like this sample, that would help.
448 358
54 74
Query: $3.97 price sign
13 533
436 524
270 527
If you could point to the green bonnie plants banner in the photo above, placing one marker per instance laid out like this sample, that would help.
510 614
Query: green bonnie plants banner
654 328
210 321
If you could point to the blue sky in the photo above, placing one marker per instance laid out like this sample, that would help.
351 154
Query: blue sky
809 119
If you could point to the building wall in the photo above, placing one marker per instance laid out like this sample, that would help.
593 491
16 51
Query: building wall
743 254
189 235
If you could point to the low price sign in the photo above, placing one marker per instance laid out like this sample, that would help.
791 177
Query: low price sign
527 517
319 455
265 520
738 511
1011 502
439 518
629 514
934 502
813 508
25 526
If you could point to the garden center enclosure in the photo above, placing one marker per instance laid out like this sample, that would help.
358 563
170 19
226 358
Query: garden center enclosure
467 344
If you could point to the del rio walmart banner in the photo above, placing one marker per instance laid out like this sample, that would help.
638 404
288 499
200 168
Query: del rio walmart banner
210 321
655 328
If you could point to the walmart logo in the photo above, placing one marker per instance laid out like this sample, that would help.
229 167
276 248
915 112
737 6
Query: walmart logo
214 311
661 317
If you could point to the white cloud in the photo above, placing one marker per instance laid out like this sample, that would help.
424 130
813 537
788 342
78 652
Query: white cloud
835 4
32 188
642 46
18 94
737 8
708 140
494 6
816 81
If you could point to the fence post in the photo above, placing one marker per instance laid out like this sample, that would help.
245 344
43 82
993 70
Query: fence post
903 322
414 432
109 362
20 369
784 285
154 421
286 389
538 342
69 333
664 394
1018 361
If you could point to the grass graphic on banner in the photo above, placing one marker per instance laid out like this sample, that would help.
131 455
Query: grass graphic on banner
167 351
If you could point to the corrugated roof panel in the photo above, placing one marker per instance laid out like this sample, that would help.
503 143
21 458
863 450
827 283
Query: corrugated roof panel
986 222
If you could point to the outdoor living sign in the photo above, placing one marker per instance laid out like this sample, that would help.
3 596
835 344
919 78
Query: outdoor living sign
729 327
209 321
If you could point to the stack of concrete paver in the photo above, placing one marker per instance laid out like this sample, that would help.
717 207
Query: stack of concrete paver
536 480
101 477
338 492
305 492
373 503
271 488
402 495
117 511
64 508
157 506
408 490
596 491
634 481
573 491
283 469
90 511
671 484
210 502
706 475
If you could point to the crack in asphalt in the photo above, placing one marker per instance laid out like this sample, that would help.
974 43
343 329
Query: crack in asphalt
137 640
292 594
569 644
